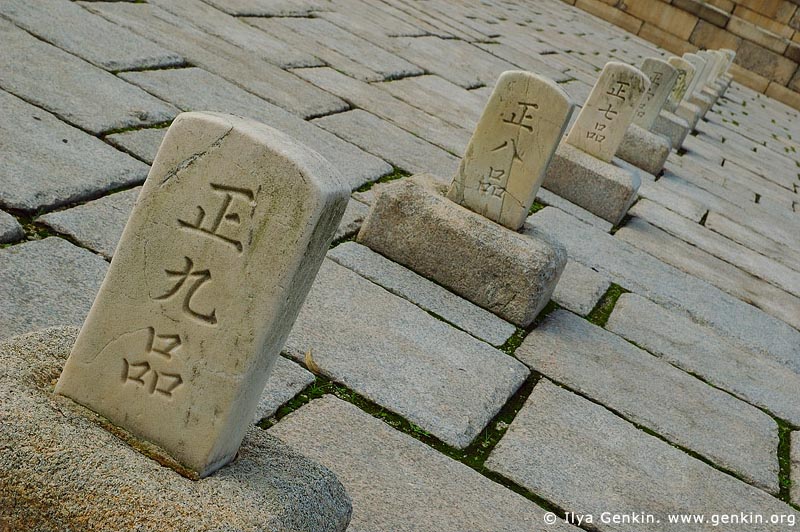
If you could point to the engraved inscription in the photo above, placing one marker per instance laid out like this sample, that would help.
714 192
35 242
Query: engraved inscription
198 279
140 371
226 218
523 116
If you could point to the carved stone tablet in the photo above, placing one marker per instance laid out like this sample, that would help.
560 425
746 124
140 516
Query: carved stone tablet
699 66
711 61
684 78
608 111
511 147
217 257
662 78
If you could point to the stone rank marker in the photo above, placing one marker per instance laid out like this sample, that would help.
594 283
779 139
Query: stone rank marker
684 79
515 138
662 78
608 111
214 264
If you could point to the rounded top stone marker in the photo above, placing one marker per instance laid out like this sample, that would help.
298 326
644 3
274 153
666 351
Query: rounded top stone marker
609 110
684 79
662 78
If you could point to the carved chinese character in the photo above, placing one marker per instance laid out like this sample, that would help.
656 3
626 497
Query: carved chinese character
138 369
609 112
618 90
224 216
523 116
199 278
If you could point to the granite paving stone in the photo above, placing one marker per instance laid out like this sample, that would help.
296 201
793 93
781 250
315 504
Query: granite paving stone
580 456
96 225
143 143
387 141
655 394
701 264
398 483
68 26
193 89
760 243
351 219
76 91
273 8
580 288
286 381
795 466
686 207
45 283
641 273
753 377
47 163
10 229
423 293
551 199
398 356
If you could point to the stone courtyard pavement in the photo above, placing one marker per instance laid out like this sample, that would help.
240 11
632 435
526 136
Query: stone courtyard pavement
663 378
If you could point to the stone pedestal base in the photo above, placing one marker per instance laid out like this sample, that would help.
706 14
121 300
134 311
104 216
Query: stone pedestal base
703 101
599 187
689 112
62 470
644 149
412 223
671 126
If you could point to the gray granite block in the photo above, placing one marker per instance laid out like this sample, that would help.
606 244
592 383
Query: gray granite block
273 8
398 483
581 457
750 376
689 112
10 229
45 283
194 89
683 205
143 143
398 356
545 197
351 219
795 466
286 381
66 25
47 163
752 239
78 92
644 149
387 141
56 450
672 127
580 288
655 394
641 273
423 293
96 225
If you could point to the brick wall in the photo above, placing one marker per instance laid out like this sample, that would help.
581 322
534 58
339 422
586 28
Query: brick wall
764 33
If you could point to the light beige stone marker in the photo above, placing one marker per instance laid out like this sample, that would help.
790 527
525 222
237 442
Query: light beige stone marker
214 264
608 111
662 78
684 79
699 64
512 145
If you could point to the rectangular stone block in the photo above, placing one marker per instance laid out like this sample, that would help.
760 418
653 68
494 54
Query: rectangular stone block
758 35
689 112
412 223
709 36
672 127
664 16
217 257
601 188
765 62
644 149
665 40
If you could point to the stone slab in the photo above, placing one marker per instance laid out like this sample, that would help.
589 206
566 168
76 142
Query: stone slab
651 392
68 26
83 95
351 220
286 381
45 283
644 149
662 78
204 315
752 377
601 188
399 483
10 229
689 112
671 126
141 143
752 239
424 293
580 288
47 163
667 197
412 223
580 456
402 358
102 482
795 466
639 272
545 197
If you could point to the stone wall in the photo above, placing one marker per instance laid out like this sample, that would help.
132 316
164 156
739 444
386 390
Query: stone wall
764 33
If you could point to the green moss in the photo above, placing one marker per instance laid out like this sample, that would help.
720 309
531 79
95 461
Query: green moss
784 459
397 173
536 207
601 312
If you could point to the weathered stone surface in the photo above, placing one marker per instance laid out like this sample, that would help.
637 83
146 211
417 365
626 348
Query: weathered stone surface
750 376
66 25
671 126
84 95
653 393
286 381
699 65
186 366
412 223
580 288
47 163
685 75
400 357
644 149
10 229
580 456
545 197
689 112
601 188
351 219
273 8
46 282
387 141
506 159
422 292
96 225
795 466
685 206
662 78
193 89
641 273
399 483
142 143
102 482
763 244
608 111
